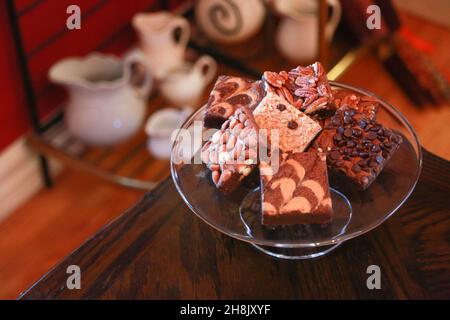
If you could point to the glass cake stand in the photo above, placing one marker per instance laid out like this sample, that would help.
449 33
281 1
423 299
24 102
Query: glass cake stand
355 212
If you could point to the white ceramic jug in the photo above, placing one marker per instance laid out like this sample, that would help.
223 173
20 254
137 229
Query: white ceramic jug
104 106
184 86
157 34
297 34
229 21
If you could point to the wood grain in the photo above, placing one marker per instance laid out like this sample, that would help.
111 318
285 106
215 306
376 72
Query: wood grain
159 249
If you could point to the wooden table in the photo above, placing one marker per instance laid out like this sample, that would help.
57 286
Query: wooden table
159 249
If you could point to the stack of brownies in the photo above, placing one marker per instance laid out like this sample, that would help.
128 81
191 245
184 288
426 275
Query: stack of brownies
313 130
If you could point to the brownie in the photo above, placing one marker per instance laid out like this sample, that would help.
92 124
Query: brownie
363 105
231 152
357 148
295 129
298 193
306 88
228 94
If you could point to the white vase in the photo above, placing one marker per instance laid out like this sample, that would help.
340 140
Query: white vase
297 34
104 107
229 21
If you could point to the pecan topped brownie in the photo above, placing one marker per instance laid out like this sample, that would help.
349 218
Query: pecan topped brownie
298 193
295 129
306 88
356 146
228 94
231 153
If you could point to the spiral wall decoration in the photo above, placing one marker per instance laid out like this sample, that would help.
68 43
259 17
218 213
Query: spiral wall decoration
222 11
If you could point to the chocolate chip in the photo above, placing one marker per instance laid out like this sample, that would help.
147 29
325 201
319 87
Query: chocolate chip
341 143
380 132
372 135
351 144
348 119
379 159
357 133
354 154
348 132
292 125
363 154
337 137
356 168
362 163
336 121
362 123
335 155
375 128
376 148
388 133
340 130
281 107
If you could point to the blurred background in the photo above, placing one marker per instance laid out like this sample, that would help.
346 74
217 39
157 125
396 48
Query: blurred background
92 90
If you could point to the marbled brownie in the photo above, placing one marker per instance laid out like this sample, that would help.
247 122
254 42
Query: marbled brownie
295 129
228 94
357 148
298 193
231 153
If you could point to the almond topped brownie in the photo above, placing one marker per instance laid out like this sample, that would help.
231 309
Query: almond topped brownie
230 93
231 153
298 193
295 129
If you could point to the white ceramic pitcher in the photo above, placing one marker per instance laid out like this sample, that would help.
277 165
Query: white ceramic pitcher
184 86
156 32
297 35
105 106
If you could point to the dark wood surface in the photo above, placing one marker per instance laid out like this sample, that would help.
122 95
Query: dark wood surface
159 249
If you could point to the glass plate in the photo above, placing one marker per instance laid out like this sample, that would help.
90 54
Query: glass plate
355 212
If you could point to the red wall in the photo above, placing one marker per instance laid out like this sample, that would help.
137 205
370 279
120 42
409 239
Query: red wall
13 119
105 27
